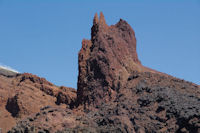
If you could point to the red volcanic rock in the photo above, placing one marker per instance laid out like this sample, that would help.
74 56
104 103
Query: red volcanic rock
54 119
66 95
126 95
115 93
106 60
24 94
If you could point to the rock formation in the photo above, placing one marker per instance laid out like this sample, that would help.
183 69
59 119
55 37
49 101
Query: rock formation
22 95
127 94
106 60
116 93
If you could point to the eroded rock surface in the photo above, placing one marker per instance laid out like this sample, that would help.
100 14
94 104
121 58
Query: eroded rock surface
113 82
25 94
116 93
106 60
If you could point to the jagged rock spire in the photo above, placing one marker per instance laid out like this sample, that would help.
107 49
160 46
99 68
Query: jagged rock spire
99 24
106 61
95 20
99 21
102 20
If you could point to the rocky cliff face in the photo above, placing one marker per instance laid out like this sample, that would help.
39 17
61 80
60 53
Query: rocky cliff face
116 93
106 61
127 94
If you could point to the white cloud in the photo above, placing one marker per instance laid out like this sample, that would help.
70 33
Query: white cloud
8 68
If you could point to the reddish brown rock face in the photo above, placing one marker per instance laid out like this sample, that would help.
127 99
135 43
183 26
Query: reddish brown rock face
106 60
118 93
126 95
24 94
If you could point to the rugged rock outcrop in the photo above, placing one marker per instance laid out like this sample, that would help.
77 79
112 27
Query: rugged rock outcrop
116 93
113 82
22 95
106 61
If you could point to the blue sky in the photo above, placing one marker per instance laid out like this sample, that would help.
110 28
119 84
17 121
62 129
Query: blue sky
43 37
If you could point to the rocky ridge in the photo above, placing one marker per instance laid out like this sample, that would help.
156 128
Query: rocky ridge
22 95
116 93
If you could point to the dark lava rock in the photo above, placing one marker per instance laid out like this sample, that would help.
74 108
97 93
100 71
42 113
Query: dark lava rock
12 106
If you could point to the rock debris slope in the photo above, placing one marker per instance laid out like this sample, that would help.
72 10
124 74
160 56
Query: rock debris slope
116 93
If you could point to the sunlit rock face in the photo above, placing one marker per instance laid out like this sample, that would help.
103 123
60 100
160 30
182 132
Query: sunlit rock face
106 61
113 83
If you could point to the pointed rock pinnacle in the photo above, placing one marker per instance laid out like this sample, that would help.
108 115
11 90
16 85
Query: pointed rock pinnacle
102 20
95 20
